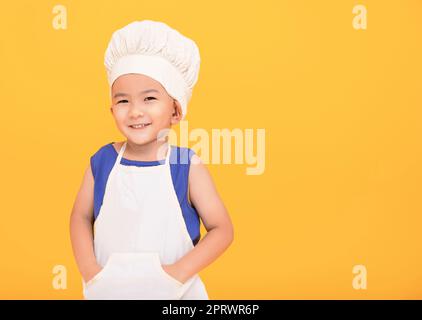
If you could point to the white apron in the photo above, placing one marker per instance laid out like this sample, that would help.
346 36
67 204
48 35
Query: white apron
140 226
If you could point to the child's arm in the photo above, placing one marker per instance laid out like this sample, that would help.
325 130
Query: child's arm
81 233
215 217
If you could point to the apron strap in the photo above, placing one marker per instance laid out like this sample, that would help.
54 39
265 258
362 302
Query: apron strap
122 150
168 154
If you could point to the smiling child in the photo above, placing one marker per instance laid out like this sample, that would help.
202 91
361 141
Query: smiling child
135 222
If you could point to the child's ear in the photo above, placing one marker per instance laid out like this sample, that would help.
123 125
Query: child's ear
177 112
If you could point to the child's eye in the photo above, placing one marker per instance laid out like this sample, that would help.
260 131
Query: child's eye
123 101
149 97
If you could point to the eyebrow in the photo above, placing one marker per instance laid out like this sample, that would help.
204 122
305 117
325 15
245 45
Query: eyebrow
122 94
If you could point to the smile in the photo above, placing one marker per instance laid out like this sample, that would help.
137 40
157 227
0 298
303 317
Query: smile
140 126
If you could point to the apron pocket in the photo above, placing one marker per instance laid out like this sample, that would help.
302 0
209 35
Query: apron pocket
157 261
96 277
134 275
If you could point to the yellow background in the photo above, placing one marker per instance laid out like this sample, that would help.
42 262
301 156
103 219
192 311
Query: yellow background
341 110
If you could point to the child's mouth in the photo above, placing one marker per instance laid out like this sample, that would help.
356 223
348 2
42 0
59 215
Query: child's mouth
140 126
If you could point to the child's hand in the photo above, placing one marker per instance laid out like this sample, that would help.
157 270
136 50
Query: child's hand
174 272
91 272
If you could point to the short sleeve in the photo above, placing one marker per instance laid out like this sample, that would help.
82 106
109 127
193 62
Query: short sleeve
93 165
191 154
95 160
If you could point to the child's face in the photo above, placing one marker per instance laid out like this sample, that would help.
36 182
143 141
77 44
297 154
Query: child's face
130 105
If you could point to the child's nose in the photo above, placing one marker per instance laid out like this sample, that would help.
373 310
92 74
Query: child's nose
136 110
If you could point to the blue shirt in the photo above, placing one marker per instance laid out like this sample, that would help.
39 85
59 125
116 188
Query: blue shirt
180 158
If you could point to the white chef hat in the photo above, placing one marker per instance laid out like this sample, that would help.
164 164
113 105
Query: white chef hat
158 51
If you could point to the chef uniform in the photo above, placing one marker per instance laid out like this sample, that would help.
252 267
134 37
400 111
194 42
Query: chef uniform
140 226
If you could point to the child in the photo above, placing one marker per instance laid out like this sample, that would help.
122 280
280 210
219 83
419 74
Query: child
134 231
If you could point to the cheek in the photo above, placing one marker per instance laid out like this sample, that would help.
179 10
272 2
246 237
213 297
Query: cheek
161 111
119 115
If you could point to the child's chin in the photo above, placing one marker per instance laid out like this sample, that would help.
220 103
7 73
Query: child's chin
139 138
